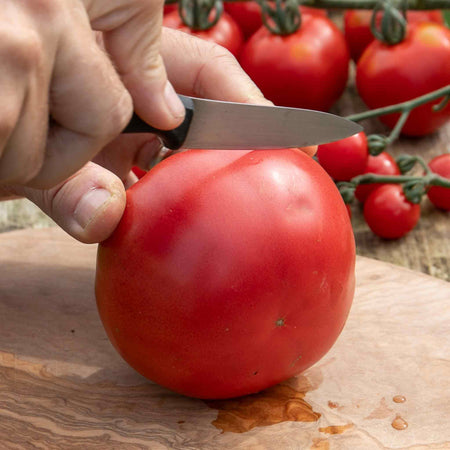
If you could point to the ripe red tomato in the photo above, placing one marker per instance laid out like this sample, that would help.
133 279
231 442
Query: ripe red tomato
138 171
170 8
234 277
389 74
307 69
248 15
357 26
346 158
225 32
440 196
382 164
389 214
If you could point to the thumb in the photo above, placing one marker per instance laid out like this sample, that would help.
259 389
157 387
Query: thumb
131 35
88 205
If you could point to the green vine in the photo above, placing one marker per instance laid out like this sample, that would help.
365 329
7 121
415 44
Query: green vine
414 186
378 143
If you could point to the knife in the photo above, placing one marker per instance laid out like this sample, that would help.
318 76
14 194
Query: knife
212 124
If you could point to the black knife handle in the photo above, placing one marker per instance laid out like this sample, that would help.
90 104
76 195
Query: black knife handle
172 139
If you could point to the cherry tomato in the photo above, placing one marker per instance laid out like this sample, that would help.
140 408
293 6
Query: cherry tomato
226 32
248 15
170 8
389 74
440 196
357 26
307 69
382 164
346 158
389 214
138 171
229 272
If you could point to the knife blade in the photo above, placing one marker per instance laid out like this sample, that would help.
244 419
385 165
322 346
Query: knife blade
213 124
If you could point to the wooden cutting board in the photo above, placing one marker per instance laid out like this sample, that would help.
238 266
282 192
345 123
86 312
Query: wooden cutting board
63 386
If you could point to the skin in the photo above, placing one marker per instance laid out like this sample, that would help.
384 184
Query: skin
88 64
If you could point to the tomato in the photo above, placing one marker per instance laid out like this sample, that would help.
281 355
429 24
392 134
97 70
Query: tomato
440 196
138 171
306 69
248 15
225 32
388 212
357 26
229 272
346 158
389 74
382 164
170 8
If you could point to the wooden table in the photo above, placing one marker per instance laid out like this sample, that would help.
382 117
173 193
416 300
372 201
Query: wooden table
385 384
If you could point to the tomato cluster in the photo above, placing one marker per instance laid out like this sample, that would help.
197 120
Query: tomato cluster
386 208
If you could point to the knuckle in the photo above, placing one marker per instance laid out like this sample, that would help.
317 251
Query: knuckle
117 117
23 49
45 8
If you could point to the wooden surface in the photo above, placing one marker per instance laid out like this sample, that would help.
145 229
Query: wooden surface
63 386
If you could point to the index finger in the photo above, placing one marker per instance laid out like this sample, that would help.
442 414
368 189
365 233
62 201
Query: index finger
202 69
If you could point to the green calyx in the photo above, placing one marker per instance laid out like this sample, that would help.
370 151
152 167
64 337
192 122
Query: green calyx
393 25
200 14
284 18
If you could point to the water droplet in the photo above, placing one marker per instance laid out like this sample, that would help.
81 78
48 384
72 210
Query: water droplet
399 423
399 399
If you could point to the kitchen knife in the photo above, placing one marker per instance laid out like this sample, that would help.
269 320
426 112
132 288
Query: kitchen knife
212 124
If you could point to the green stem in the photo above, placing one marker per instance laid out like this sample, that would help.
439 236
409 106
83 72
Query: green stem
401 107
395 133
430 179
363 4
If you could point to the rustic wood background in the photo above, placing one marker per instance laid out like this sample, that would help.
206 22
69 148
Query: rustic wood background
425 249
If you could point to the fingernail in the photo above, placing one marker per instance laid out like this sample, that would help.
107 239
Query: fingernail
173 102
89 205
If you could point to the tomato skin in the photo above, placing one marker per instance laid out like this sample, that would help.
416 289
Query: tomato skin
440 196
386 75
357 27
382 164
225 33
306 69
170 8
346 158
248 15
235 277
389 214
138 171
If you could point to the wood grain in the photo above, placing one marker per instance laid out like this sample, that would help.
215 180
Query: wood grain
62 385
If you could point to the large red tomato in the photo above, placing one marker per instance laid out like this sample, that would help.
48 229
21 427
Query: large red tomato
229 272
248 15
357 26
306 69
225 32
389 74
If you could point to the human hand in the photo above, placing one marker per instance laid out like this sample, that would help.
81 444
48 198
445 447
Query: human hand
52 64
89 204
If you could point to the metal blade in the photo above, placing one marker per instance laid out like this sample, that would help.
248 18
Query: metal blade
227 125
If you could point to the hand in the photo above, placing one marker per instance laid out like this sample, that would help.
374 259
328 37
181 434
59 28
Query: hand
52 64
89 204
